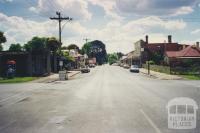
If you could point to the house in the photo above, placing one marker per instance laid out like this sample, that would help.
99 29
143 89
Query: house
145 51
190 53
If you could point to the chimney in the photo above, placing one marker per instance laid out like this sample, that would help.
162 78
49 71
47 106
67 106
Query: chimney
147 39
170 39
197 44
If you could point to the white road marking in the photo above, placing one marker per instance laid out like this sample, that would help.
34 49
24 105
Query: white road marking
150 121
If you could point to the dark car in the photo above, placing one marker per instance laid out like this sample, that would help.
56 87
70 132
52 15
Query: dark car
85 70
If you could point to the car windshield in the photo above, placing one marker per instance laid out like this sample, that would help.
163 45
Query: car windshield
134 66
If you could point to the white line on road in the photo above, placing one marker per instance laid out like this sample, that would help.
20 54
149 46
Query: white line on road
150 121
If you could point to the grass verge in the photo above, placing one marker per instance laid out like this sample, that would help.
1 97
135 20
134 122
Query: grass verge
191 77
17 80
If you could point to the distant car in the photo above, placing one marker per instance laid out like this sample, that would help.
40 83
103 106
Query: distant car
92 65
135 68
126 66
85 70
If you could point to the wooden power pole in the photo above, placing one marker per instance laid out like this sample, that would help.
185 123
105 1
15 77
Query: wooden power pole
60 19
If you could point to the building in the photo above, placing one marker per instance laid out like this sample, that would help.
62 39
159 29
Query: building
145 51
189 54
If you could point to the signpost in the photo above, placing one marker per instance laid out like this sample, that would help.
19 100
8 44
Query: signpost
62 73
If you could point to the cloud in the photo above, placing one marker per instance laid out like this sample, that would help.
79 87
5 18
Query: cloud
108 6
197 31
78 9
153 22
117 35
21 30
156 7
6 0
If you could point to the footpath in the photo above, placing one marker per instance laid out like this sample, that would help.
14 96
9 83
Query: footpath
162 76
54 77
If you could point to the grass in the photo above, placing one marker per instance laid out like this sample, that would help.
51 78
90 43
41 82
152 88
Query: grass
191 77
17 80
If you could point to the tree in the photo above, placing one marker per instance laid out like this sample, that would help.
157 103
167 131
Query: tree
2 40
52 44
112 58
36 44
1 47
86 48
15 47
73 47
95 49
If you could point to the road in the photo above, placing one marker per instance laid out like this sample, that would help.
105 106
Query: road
110 99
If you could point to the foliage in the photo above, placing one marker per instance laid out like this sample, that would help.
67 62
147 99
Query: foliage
73 46
95 49
157 58
112 58
2 38
64 48
67 56
36 44
1 47
17 80
86 48
191 77
151 62
120 55
52 44
158 68
15 47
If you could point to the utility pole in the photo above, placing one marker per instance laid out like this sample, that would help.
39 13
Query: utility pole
60 19
86 40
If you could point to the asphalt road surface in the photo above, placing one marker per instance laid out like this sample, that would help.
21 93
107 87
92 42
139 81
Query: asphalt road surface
110 99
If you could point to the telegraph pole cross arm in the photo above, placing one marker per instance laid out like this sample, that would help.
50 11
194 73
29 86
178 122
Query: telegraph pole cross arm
60 19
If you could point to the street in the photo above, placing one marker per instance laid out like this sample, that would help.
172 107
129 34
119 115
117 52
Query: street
109 99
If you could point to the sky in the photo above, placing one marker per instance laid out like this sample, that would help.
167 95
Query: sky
117 23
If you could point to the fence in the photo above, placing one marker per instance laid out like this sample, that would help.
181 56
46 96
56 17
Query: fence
157 68
174 70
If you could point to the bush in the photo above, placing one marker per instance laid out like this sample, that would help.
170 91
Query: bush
151 62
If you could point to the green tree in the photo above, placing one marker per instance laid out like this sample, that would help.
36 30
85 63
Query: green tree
112 58
52 44
2 40
1 47
15 47
72 47
36 44
86 48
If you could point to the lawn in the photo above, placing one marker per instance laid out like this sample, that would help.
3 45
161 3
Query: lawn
17 80
191 77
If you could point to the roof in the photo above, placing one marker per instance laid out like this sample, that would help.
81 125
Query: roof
190 51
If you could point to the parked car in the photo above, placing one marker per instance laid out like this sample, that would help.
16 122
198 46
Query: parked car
85 70
126 66
92 65
135 68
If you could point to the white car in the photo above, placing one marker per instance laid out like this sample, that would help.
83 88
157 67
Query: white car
135 68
